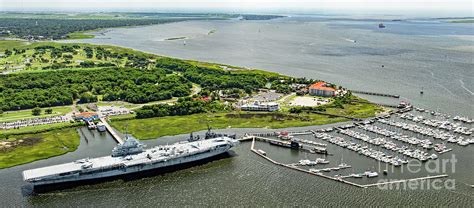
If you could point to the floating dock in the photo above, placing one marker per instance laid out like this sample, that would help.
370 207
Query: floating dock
299 169
406 180
111 131
274 134
338 179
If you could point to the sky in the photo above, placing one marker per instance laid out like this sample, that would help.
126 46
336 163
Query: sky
454 7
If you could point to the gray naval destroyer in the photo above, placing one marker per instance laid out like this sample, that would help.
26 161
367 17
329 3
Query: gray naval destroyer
132 157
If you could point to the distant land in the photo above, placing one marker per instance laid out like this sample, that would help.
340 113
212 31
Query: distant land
54 26
463 21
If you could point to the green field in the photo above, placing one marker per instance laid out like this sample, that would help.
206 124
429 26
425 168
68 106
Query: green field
173 125
25 62
36 129
38 146
358 110
152 128
79 35
9 44
26 114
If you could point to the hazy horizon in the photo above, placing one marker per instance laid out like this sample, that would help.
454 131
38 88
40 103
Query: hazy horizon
424 8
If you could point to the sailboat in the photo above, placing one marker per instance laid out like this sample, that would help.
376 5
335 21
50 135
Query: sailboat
343 165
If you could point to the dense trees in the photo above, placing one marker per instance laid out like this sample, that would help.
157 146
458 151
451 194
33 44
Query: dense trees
182 107
48 111
215 79
147 78
87 97
29 90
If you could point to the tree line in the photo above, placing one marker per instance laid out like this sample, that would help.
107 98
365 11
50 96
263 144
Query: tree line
59 28
56 88
184 106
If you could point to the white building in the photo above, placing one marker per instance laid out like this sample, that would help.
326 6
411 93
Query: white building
258 106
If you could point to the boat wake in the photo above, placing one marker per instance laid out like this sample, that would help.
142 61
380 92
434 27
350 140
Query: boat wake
465 88
350 40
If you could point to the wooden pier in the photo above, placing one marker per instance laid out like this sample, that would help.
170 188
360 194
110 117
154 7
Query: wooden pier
375 93
111 131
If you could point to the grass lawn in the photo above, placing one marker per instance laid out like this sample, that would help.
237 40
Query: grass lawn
9 44
357 110
26 114
39 146
79 35
34 129
152 128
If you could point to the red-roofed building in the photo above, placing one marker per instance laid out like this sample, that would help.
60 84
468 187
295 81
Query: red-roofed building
321 89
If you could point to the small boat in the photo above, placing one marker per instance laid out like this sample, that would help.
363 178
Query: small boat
261 152
314 170
385 172
101 127
371 174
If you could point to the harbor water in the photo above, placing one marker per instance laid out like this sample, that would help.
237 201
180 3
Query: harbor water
435 56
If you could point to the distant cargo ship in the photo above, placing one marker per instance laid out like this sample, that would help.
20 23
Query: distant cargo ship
381 25
131 157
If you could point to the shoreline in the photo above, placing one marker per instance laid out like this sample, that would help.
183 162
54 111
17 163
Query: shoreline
265 120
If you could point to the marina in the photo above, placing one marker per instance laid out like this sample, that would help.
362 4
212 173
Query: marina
338 178
392 145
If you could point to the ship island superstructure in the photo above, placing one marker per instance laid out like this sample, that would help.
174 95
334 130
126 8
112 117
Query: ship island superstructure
130 157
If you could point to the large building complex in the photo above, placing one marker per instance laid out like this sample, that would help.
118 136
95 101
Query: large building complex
259 106
321 89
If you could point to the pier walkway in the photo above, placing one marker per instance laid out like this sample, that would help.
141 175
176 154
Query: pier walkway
111 131
300 169
375 93
338 179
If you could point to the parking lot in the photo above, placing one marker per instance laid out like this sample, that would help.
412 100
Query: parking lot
113 110
308 101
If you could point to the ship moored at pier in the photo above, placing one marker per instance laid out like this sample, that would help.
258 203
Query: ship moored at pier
131 157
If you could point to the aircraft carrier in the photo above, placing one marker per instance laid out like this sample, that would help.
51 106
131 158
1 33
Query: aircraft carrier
132 157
